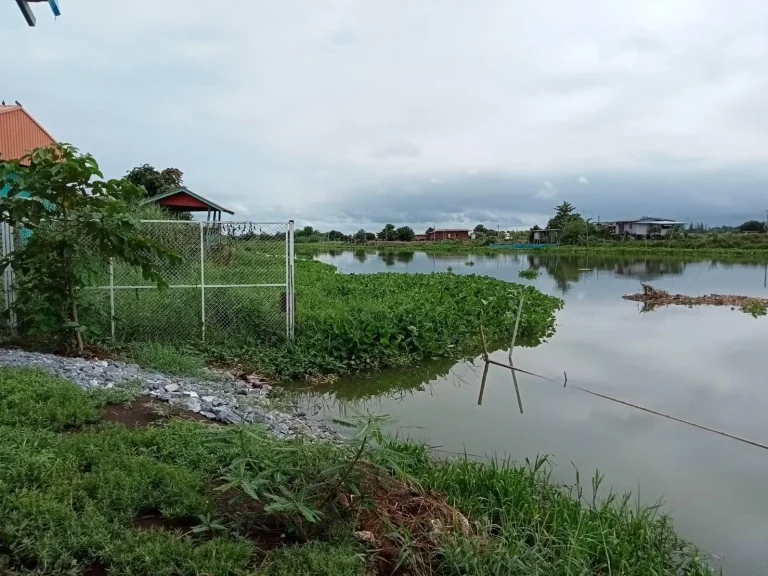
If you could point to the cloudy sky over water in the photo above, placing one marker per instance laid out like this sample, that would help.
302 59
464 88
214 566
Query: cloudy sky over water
350 113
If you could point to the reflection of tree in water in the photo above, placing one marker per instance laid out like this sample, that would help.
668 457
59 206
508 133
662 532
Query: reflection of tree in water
649 269
360 256
568 269
404 257
333 252
388 257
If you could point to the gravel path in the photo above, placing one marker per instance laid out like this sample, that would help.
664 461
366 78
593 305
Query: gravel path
223 397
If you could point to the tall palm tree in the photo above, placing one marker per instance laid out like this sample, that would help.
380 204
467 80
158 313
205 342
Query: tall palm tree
564 210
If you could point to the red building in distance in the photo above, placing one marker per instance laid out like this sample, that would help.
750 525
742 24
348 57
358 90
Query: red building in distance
447 234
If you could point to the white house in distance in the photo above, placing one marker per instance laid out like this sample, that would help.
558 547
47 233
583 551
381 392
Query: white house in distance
644 227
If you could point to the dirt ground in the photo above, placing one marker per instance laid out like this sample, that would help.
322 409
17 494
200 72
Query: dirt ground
145 410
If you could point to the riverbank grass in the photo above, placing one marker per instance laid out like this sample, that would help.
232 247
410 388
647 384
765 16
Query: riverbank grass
182 498
727 247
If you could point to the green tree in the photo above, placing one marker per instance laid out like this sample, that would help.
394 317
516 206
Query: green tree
563 214
360 235
78 222
752 226
577 230
336 235
153 181
388 232
405 234
305 232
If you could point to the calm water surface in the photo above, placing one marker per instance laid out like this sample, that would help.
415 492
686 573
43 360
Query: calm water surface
704 364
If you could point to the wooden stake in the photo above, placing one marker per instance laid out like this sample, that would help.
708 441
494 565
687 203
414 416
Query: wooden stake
482 385
517 391
485 348
517 323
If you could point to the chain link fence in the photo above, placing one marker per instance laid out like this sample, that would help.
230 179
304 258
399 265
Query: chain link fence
234 282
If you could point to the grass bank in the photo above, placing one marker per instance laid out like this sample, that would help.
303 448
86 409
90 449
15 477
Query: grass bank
81 496
730 247
349 323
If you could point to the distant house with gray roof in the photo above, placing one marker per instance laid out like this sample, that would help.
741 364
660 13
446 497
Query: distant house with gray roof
644 227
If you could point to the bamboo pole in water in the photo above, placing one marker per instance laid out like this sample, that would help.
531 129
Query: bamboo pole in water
517 323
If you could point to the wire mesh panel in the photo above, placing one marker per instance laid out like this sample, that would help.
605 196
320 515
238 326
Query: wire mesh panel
246 269
233 281
230 284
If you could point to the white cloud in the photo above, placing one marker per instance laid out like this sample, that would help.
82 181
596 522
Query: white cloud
583 180
548 190
288 108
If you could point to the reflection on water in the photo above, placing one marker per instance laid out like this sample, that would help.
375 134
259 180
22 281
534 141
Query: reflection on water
703 364
567 270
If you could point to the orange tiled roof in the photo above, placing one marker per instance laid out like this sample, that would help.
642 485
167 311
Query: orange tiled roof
20 133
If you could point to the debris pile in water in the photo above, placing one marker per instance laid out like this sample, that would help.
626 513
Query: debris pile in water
653 297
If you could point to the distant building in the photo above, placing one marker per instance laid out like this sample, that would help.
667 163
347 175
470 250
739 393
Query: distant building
420 238
184 200
447 234
645 227
546 236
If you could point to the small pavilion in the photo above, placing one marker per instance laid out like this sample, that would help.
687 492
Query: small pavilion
184 200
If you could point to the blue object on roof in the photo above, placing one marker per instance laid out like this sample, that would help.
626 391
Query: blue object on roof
55 7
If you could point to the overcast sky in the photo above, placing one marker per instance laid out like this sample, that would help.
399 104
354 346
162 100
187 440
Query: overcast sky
351 113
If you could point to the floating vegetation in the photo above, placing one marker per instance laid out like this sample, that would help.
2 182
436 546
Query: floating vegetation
469 263
529 273
652 297
755 307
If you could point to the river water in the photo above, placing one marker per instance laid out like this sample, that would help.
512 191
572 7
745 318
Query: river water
703 364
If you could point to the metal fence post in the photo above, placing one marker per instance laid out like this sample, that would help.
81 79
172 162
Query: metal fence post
287 282
112 296
202 277
292 278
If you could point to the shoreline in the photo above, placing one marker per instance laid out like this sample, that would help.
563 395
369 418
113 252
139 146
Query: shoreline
735 254
224 397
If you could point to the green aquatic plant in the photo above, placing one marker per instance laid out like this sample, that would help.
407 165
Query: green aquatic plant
529 273
755 308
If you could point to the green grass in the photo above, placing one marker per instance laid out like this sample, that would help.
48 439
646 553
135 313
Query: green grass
528 524
69 500
315 559
167 358
32 398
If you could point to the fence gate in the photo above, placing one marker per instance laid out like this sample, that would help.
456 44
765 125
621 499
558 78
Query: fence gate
235 282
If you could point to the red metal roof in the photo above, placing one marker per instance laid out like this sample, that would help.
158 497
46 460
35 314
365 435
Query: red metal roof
20 133
183 198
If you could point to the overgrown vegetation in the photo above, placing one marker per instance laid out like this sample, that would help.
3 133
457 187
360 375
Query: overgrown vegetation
349 322
186 498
